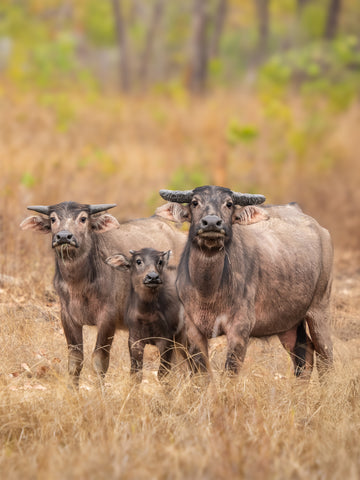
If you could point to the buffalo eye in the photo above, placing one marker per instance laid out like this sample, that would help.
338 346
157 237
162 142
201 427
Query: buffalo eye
83 219
52 219
229 204
160 262
194 203
138 261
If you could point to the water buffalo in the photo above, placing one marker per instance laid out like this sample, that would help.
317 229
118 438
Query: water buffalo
251 271
92 293
153 312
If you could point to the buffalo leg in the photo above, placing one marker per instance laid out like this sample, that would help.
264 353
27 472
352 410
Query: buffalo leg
74 338
318 322
136 350
197 349
101 354
166 352
300 348
238 339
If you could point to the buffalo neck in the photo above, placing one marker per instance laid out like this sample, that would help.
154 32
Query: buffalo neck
83 267
147 302
208 271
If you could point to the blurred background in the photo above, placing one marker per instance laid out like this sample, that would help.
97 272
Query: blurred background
109 101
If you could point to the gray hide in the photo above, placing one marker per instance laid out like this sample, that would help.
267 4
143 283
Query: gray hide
253 271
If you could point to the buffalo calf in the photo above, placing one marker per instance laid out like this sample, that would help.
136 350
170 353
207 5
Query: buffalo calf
153 311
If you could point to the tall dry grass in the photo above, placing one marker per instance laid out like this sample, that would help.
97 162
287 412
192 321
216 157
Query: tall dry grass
265 423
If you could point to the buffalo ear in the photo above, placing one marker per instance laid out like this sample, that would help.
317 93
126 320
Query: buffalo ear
166 256
36 223
249 215
174 212
118 261
103 223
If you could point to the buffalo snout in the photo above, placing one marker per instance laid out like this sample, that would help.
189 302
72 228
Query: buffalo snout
64 238
152 279
211 223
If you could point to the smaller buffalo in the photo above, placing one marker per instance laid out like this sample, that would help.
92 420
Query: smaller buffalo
153 311
90 292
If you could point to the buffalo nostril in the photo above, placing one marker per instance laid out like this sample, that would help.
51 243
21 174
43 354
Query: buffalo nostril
65 237
211 221
152 277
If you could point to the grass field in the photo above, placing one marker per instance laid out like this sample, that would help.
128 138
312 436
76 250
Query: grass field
263 424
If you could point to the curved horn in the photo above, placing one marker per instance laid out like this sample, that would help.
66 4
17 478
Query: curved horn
177 196
244 199
101 207
40 209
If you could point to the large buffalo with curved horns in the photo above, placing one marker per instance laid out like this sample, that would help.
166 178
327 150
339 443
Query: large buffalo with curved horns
252 271
90 291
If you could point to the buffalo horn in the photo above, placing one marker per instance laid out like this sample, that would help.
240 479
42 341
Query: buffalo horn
177 196
40 209
101 207
244 199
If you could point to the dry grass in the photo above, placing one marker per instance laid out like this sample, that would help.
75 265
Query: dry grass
265 424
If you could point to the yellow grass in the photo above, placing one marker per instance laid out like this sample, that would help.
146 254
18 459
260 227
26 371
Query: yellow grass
262 425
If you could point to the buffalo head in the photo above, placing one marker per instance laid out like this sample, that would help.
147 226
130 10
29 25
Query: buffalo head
211 212
146 267
71 225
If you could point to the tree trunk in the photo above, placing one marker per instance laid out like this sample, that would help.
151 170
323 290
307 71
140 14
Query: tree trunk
219 21
199 60
262 7
122 45
332 20
300 4
150 40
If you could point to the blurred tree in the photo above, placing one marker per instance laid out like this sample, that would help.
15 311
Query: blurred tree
199 54
219 21
332 20
300 4
122 45
150 36
262 8
58 43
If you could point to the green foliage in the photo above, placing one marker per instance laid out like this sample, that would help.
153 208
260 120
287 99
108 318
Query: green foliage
28 180
237 133
216 68
43 55
99 22
188 178
329 68
313 19
51 60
